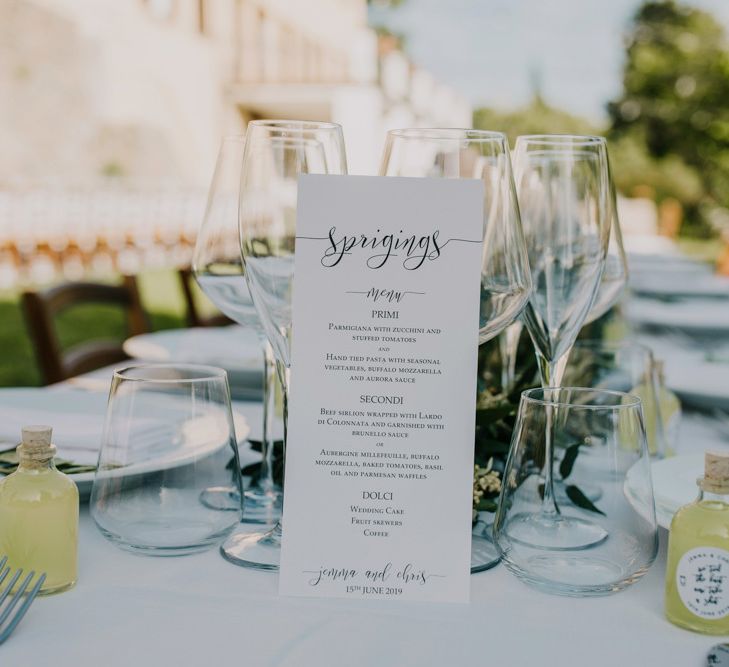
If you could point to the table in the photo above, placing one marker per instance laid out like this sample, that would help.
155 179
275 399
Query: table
201 610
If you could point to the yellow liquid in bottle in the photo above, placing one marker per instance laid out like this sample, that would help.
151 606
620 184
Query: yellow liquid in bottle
697 573
39 525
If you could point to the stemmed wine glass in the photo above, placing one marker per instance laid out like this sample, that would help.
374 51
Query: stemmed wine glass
564 194
505 277
612 285
276 153
218 269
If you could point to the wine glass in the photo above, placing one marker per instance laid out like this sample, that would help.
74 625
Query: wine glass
607 429
564 196
277 152
218 268
614 278
612 285
505 277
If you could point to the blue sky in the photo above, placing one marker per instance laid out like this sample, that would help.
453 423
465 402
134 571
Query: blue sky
487 49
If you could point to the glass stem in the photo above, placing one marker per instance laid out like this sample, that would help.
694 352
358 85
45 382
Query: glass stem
265 478
551 373
284 377
508 350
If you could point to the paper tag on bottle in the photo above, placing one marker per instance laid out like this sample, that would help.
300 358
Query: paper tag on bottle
702 579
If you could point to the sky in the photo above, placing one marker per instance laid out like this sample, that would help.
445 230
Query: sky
491 50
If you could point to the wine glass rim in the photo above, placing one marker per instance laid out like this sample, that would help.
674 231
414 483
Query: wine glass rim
195 373
561 139
294 125
447 134
626 400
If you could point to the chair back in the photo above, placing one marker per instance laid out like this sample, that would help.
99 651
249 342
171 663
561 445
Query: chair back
194 317
41 308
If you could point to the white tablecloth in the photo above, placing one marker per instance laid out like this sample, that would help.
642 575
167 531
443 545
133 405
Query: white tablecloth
200 610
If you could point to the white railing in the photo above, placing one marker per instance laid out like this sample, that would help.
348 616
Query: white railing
49 235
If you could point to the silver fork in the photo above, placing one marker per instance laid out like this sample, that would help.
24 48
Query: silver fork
9 615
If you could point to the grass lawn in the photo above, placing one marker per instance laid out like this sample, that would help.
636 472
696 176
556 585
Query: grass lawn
161 296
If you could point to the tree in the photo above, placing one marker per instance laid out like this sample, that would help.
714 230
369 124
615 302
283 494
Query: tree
675 98
537 118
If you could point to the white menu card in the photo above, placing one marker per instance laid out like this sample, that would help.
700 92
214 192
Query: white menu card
379 469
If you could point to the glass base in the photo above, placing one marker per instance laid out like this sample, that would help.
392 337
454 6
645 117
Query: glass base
484 554
554 532
573 575
202 544
264 510
258 507
259 550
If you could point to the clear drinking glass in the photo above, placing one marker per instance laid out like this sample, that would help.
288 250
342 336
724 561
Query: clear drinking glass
564 196
505 277
621 366
218 268
604 433
484 155
614 278
277 152
168 439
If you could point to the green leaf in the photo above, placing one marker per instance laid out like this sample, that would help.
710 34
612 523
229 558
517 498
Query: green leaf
581 500
491 414
485 505
568 460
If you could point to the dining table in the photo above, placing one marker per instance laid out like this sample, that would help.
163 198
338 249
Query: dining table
201 610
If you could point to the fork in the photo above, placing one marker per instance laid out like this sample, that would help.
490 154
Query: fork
8 601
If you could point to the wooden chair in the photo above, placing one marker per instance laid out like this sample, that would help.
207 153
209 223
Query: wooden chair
194 318
41 308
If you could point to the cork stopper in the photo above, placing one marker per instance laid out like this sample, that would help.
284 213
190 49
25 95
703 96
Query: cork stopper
716 472
36 449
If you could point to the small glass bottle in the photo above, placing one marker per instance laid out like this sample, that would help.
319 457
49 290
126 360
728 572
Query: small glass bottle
39 514
697 573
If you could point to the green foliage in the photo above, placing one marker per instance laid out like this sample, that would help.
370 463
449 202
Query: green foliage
537 118
667 177
669 129
675 100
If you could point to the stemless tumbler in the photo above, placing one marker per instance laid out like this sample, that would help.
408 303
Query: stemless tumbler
604 439
621 366
168 440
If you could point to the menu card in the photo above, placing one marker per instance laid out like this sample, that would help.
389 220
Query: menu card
379 470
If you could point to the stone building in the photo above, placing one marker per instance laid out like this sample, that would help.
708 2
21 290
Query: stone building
138 92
